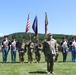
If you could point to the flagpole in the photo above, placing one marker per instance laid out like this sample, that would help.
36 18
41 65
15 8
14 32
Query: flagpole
30 32
37 29
30 28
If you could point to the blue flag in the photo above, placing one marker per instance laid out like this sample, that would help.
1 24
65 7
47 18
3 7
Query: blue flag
35 26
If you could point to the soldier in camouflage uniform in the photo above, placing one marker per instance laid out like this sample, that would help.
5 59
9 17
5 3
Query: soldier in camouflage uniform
49 47
22 50
30 51
37 50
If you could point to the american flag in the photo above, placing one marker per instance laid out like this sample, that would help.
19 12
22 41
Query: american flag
28 23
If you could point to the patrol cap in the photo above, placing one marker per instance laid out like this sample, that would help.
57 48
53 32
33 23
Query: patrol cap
50 34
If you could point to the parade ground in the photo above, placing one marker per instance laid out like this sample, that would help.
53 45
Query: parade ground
60 68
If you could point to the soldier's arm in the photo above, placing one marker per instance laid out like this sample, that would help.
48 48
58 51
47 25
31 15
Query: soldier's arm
31 45
40 46
44 46
56 46
2 44
25 48
9 45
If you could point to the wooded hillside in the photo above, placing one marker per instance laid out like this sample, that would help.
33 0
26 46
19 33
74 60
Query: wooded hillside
25 37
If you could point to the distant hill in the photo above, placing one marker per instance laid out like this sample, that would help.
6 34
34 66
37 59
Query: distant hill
25 37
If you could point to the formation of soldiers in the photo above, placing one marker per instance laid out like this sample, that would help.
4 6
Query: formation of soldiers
67 46
13 46
49 47
35 47
21 47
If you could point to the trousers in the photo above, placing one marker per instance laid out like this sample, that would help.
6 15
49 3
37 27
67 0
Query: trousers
74 54
4 54
13 55
65 52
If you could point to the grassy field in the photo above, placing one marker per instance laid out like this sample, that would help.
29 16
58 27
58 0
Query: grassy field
60 68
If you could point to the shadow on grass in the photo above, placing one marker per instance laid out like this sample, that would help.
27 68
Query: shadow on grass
13 62
39 72
10 62
20 62
63 62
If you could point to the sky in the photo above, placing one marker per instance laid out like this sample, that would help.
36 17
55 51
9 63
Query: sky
61 16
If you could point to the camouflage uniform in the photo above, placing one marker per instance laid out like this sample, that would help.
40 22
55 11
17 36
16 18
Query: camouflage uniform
37 50
49 47
22 51
30 51
56 55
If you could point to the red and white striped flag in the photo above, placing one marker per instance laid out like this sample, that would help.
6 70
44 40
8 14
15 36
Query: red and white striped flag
28 24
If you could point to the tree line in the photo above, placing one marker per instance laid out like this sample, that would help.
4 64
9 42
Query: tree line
41 37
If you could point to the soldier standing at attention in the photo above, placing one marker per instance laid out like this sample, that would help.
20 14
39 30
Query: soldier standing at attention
22 50
57 54
30 51
37 50
5 47
64 49
49 47
73 50
13 49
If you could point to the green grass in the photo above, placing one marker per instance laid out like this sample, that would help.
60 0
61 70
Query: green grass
60 68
